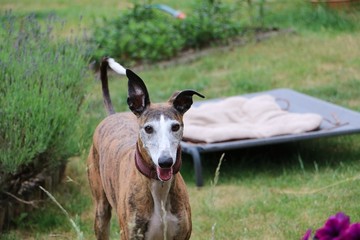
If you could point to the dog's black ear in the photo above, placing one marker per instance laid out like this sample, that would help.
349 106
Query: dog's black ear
182 101
138 96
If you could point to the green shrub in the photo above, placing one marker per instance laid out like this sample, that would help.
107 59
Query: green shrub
41 88
147 34
210 22
140 34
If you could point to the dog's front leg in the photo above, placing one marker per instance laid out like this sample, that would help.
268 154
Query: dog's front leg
135 228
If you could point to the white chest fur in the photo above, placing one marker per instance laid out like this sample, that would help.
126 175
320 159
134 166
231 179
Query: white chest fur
163 224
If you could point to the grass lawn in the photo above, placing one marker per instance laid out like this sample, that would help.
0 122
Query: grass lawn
271 192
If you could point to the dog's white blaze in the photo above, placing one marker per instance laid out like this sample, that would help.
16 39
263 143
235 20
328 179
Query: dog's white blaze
163 140
161 219
116 67
168 141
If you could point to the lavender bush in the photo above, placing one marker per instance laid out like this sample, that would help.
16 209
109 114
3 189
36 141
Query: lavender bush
41 88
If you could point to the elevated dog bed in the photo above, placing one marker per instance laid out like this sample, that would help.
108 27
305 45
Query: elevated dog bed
276 116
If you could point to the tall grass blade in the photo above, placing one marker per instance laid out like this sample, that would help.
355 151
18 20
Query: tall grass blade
316 167
80 235
213 231
217 171
301 163
212 193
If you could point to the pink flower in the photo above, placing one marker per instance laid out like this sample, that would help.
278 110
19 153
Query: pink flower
307 235
334 227
352 233
337 227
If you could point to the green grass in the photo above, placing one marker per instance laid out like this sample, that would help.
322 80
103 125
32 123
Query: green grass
271 192
304 16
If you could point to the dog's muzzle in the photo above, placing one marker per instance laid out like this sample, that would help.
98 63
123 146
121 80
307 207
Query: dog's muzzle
164 171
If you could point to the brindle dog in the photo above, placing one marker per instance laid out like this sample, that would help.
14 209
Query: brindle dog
134 161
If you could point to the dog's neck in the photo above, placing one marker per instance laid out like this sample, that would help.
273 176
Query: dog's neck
163 224
149 171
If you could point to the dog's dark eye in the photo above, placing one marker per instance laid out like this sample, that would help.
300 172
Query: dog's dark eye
175 127
149 129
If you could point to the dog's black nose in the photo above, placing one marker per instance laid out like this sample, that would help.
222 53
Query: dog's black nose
165 161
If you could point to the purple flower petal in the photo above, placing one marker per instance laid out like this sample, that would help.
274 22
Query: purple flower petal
307 235
352 233
334 227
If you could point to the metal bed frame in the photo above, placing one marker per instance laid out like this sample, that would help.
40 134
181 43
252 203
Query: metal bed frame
337 121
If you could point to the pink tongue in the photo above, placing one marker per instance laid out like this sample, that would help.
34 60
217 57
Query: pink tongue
164 174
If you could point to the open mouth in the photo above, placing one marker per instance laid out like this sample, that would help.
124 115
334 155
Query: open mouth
164 174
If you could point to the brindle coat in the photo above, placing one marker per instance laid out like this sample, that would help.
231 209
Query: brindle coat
115 181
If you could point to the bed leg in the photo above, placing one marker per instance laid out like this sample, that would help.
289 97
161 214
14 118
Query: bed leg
197 166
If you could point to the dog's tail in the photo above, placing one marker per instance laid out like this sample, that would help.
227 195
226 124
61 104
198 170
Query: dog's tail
106 61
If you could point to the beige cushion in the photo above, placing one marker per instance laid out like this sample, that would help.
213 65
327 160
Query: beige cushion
237 118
